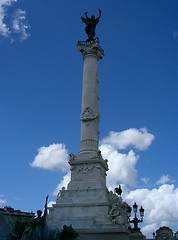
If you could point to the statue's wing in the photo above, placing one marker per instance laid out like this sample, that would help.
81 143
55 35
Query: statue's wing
85 20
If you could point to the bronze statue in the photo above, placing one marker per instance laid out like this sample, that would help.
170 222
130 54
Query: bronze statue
91 25
118 190
36 230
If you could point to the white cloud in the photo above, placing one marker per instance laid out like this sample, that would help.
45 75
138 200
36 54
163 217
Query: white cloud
4 30
150 228
62 184
18 24
164 179
13 22
53 157
121 166
139 138
160 204
2 201
145 180
50 204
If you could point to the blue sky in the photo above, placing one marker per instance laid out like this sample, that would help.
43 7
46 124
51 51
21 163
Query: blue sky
40 100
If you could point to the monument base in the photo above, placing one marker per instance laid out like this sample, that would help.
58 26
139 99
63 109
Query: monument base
137 236
87 210
82 208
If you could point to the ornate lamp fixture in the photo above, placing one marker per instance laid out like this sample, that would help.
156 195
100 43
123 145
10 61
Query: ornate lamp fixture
135 220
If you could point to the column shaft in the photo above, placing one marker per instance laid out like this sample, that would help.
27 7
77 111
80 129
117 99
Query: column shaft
89 136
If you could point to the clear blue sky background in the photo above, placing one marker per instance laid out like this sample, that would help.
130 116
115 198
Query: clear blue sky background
41 82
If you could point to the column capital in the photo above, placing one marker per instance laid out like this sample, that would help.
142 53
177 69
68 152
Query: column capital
90 48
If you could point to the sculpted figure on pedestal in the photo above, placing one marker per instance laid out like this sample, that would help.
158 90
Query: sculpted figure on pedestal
118 211
36 230
115 215
91 25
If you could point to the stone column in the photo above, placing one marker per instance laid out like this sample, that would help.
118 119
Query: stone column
89 136
88 168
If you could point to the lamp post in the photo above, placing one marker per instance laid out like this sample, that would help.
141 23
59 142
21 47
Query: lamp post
135 220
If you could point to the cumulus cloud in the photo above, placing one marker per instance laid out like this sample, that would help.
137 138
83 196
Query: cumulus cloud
13 22
161 206
138 138
164 179
53 157
121 166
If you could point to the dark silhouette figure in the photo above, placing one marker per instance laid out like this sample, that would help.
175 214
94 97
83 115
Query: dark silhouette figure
68 233
91 25
36 230
118 190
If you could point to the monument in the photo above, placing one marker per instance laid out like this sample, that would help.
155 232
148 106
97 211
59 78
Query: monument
86 204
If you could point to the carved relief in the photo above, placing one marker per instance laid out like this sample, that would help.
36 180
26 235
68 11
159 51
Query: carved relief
85 168
88 115
118 211
116 216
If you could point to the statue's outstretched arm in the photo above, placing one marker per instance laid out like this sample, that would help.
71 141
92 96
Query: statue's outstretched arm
86 15
99 13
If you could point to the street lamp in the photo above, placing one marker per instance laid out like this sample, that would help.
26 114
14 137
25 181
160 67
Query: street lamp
135 220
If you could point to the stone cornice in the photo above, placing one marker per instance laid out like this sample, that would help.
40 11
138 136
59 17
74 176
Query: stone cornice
78 161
